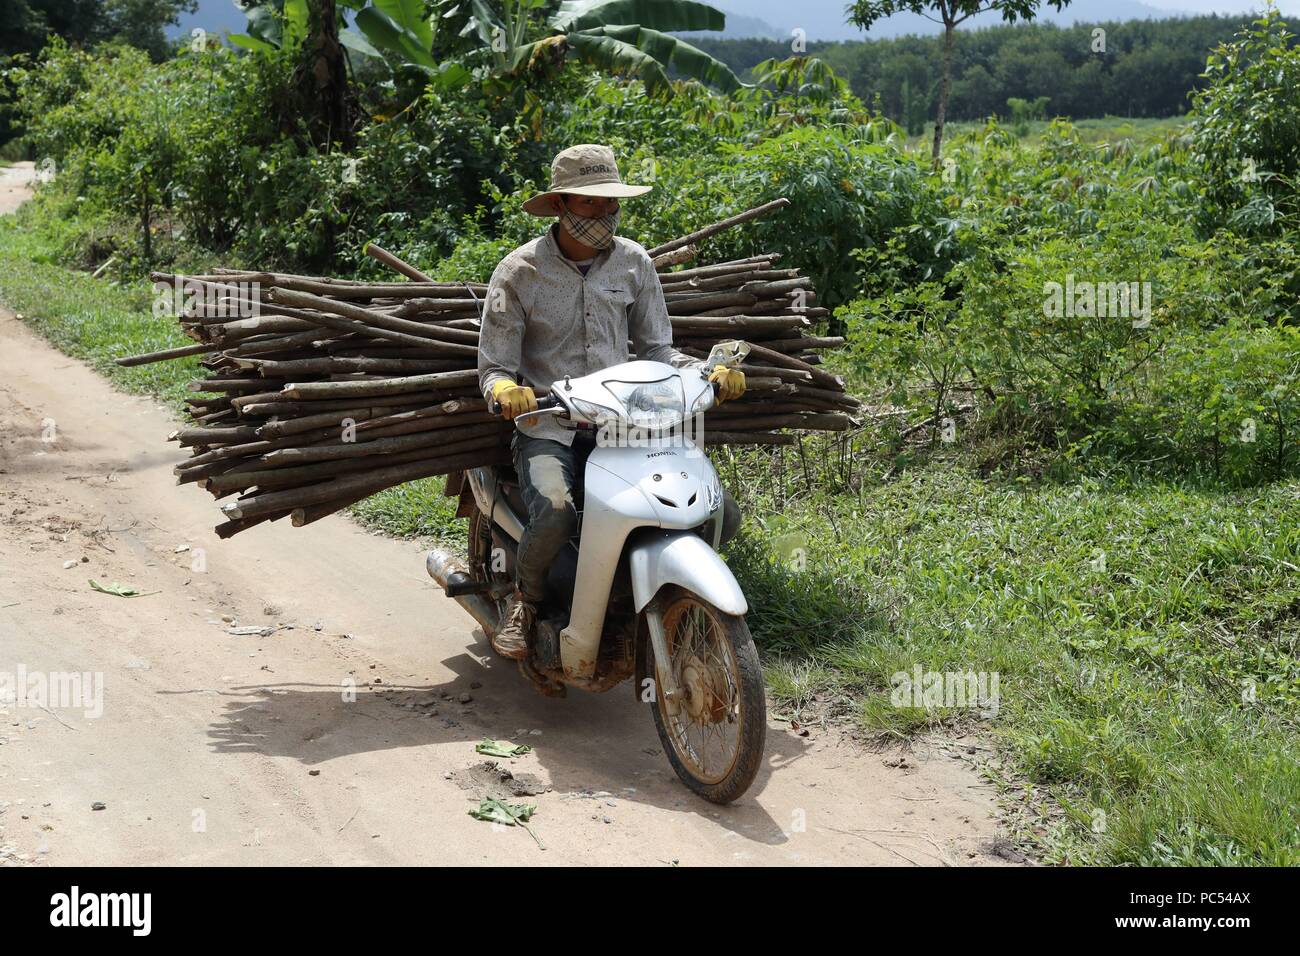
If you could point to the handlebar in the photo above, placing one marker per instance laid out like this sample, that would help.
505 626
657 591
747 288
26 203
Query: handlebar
551 401
543 402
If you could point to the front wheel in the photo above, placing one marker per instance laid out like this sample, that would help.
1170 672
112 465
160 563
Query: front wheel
715 739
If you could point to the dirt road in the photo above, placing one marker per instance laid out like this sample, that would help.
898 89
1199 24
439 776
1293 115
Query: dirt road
15 185
215 748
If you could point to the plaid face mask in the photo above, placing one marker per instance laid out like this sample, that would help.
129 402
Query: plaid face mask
597 233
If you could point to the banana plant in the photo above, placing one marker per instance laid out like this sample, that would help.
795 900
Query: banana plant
402 33
272 25
616 36
282 24
501 38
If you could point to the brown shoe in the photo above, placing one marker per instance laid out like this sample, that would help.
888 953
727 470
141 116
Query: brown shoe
511 639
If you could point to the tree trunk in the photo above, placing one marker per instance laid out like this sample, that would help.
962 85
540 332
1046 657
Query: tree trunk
949 33
322 78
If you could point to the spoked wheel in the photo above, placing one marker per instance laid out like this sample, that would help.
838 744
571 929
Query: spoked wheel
481 563
715 739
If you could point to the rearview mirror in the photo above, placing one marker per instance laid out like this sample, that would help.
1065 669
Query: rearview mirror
727 354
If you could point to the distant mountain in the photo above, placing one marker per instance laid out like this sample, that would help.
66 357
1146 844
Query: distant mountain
826 20
742 26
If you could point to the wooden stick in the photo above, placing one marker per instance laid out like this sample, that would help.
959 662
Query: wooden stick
161 356
747 438
774 357
811 420
677 256
722 268
390 260
412 448
702 234
233 526
377 321
339 487
388 386
475 433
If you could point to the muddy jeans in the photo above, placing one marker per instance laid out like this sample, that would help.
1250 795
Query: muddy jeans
547 472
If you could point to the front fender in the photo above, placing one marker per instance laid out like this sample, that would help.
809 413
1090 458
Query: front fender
685 559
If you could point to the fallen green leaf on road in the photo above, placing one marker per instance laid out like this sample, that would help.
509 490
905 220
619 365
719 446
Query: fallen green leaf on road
501 748
507 814
121 590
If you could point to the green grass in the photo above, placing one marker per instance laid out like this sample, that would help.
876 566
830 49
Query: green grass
1154 694
417 509
90 319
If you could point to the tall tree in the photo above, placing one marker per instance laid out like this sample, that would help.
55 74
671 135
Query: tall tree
24 24
310 30
142 23
950 13
322 77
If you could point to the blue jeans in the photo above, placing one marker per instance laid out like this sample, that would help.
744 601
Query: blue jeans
549 473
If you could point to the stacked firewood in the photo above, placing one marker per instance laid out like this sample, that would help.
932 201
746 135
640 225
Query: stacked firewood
321 392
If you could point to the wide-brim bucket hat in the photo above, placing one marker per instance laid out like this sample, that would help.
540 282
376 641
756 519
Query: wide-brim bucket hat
587 169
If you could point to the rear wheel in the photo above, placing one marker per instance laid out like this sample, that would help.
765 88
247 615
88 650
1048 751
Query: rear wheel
715 739
484 568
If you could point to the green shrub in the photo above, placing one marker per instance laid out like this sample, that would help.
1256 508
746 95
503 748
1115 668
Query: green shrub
1246 131
203 148
1034 320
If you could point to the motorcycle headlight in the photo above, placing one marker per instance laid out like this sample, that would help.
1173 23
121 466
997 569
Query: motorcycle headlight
652 405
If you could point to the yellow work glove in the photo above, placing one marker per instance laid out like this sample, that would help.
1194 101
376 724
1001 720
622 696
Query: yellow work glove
514 399
731 382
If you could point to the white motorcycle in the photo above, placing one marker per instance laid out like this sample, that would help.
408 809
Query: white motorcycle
640 592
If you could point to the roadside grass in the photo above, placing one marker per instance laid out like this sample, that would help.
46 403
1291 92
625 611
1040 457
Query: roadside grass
1144 634
417 509
92 320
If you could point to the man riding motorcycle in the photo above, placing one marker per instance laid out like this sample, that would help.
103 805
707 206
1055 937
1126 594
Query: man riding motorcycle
567 303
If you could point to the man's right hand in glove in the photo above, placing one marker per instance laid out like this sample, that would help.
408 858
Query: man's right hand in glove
514 399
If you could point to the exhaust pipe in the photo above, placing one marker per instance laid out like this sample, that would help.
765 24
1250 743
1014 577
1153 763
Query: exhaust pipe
447 569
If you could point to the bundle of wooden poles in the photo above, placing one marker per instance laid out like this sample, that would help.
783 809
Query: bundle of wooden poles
336 389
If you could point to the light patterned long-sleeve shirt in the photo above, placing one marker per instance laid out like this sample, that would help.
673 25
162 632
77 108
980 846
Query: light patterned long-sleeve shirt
543 319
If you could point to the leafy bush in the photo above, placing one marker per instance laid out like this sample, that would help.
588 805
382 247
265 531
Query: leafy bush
1226 403
1246 131
849 186
199 148
1034 320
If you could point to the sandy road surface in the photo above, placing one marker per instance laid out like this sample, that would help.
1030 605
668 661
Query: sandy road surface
15 185
218 748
